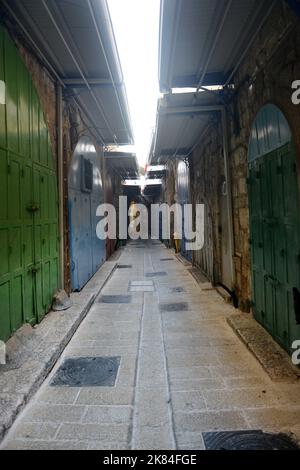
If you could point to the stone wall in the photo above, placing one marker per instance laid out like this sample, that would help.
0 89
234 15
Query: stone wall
265 76
206 178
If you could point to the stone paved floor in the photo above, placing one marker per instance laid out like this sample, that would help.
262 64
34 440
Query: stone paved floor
182 372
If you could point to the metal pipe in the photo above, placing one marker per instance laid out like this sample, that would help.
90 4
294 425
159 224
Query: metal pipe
95 82
229 194
86 113
191 109
212 50
107 63
60 165
99 106
251 41
198 141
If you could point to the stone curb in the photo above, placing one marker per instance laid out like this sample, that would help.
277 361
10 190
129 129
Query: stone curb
33 352
274 360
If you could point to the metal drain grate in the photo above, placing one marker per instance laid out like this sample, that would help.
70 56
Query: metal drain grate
174 307
177 290
247 440
166 259
115 299
87 372
156 274
124 266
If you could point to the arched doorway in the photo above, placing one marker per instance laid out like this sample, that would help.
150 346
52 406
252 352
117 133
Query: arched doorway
85 195
274 226
29 255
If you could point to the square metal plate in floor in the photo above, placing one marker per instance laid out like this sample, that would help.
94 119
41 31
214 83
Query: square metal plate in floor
247 440
174 307
156 274
87 372
115 299
124 266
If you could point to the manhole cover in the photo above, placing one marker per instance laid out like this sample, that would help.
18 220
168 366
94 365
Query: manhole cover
247 440
177 290
157 274
115 299
166 259
124 266
174 307
87 372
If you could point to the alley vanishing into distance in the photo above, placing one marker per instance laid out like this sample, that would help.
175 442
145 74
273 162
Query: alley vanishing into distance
150 226
181 371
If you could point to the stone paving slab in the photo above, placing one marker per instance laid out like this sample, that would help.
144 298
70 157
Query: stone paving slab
32 351
182 373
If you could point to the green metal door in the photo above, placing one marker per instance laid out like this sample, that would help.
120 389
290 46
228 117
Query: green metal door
274 226
28 191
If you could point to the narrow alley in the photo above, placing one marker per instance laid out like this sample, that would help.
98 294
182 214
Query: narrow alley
150 227
177 369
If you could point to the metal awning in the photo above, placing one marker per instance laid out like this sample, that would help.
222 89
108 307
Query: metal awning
155 172
202 42
181 121
123 164
75 40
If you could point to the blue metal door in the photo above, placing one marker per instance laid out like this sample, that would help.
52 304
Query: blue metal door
85 195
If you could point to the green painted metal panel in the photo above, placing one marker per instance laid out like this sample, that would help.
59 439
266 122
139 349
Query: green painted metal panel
275 235
29 254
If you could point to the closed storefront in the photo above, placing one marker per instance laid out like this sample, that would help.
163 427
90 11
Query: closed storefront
274 226
88 252
28 212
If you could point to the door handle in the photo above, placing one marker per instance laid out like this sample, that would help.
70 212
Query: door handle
34 269
33 208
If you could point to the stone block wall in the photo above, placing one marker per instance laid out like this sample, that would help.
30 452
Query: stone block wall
265 76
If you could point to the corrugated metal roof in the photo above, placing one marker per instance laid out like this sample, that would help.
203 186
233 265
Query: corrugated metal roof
202 41
123 163
76 39
181 120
